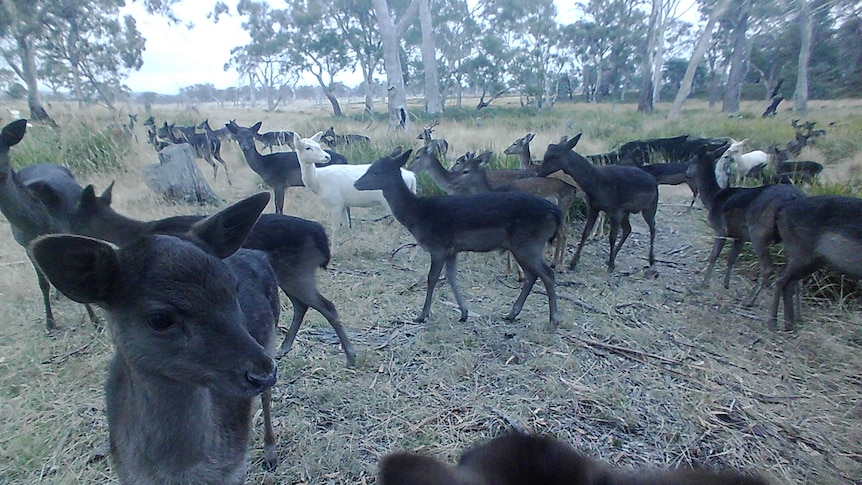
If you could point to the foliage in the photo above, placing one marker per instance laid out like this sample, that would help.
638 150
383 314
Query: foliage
81 147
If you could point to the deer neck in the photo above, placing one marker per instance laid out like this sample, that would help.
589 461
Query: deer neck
162 430
585 174
309 176
706 182
402 202
23 209
525 158
439 174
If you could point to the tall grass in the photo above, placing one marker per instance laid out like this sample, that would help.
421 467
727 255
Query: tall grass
81 147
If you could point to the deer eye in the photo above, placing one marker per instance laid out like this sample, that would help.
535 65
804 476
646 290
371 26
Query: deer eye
160 321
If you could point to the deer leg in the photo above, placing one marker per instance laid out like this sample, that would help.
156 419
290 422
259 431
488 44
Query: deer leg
612 239
766 269
735 249
452 276
529 280
45 286
299 310
437 262
210 161
717 244
649 218
218 157
270 450
278 193
588 227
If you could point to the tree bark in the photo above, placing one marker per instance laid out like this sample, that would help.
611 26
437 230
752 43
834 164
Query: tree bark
433 104
696 56
738 60
645 102
805 33
396 95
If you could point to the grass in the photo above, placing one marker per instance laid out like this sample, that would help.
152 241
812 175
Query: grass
642 372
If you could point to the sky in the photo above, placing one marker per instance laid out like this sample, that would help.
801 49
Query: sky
176 57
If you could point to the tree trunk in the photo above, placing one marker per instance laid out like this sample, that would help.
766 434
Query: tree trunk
429 60
738 60
28 75
805 34
396 95
645 102
658 61
696 56
336 107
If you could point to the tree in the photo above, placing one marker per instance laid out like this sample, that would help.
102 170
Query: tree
90 45
739 57
645 102
389 35
25 23
702 44
429 60
358 25
805 34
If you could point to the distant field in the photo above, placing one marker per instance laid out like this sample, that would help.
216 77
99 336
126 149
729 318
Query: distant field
643 371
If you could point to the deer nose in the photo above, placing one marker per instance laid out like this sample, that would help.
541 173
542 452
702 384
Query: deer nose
264 378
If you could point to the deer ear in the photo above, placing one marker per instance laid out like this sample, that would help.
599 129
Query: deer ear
316 136
82 268
485 157
529 137
397 151
574 141
402 159
107 194
224 232
13 132
256 126
297 140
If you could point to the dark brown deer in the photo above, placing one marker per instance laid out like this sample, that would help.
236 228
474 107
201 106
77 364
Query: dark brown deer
438 146
521 459
473 179
193 324
296 249
447 225
205 146
617 190
818 232
37 200
278 170
334 140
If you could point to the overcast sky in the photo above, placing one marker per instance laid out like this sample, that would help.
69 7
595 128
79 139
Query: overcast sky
176 57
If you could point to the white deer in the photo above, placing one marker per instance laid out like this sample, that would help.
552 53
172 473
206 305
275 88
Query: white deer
334 184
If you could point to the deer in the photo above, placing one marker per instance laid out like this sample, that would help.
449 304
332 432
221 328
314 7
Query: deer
334 140
516 458
275 138
672 173
206 146
36 200
296 249
617 190
333 184
473 179
818 232
739 214
192 320
446 225
438 146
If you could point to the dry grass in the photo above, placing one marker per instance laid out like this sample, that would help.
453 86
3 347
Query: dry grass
643 371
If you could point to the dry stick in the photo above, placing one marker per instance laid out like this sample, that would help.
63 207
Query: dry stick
513 423
61 358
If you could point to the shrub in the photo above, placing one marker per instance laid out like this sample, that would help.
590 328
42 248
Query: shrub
80 147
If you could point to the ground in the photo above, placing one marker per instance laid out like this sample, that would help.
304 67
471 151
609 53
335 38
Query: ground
644 370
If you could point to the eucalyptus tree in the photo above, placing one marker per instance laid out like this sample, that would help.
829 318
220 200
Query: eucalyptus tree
90 47
738 18
390 33
645 101
262 60
26 25
456 30
531 33
714 14
315 45
357 23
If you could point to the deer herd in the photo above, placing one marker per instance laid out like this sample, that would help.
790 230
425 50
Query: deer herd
193 301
